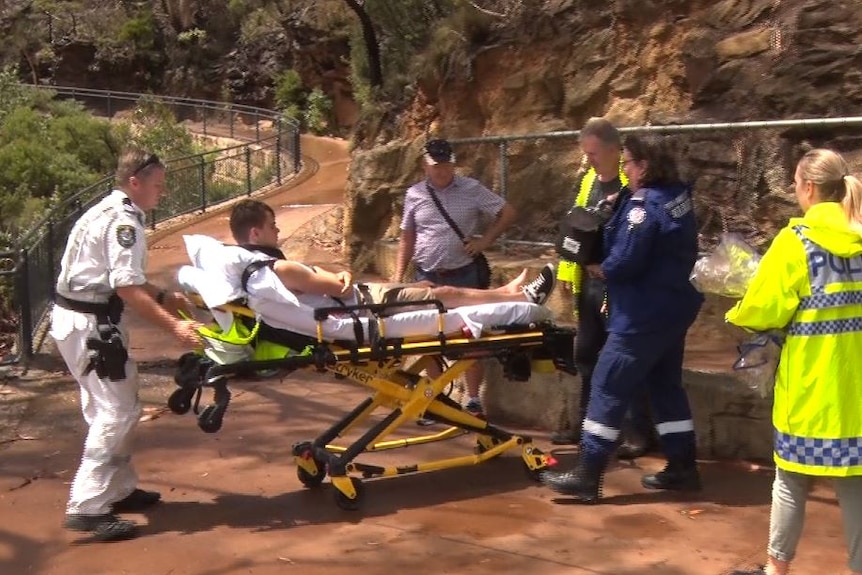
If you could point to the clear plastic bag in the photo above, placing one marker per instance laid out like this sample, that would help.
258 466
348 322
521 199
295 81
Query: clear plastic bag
758 362
728 270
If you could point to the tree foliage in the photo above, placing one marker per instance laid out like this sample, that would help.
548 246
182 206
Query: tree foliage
51 148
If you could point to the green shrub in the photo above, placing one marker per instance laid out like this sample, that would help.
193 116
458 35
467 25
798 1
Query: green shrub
318 112
289 91
139 31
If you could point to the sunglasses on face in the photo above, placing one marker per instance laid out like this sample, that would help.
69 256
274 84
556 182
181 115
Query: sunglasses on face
150 160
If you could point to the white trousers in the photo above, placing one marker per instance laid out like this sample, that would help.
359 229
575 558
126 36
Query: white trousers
111 410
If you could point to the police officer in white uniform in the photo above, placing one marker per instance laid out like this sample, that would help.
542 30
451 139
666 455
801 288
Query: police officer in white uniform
103 270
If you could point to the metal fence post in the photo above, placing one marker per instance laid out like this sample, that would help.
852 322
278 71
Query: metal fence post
257 127
297 157
504 174
110 107
204 121
504 168
49 237
231 118
278 152
248 168
203 177
25 329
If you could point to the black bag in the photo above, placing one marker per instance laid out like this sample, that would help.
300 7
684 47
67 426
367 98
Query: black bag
580 235
483 271
483 268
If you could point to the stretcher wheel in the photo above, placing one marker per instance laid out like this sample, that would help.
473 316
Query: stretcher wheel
312 480
180 401
211 418
345 502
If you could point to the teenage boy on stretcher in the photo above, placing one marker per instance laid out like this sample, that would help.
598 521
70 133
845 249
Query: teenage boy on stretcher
252 224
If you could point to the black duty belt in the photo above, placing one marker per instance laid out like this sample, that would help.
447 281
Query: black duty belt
110 310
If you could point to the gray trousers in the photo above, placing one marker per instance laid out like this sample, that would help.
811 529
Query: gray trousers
789 495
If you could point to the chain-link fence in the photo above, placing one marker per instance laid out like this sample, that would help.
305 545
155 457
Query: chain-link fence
740 172
195 183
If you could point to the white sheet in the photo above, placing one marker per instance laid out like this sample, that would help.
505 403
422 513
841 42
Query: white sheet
218 269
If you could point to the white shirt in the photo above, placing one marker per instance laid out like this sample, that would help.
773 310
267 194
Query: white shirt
107 249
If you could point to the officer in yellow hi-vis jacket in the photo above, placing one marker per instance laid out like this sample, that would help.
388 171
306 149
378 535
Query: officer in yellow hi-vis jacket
809 285
601 144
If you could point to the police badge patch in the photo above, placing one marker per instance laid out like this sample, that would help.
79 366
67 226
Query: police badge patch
636 216
126 236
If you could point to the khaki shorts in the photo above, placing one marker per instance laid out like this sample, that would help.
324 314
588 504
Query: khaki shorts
397 293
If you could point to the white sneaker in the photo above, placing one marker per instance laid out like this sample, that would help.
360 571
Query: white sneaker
538 290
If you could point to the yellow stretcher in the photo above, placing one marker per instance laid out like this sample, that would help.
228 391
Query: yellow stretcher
382 366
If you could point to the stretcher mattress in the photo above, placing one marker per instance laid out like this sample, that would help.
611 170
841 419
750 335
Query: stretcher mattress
216 276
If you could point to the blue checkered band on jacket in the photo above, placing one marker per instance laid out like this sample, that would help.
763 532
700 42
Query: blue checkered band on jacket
826 327
821 452
827 300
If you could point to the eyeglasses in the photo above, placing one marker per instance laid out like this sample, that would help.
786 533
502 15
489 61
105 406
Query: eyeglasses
624 162
150 160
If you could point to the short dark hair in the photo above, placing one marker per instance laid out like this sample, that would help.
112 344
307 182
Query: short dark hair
245 215
603 130
134 161
656 152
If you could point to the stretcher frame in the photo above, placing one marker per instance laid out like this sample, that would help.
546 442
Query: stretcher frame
379 366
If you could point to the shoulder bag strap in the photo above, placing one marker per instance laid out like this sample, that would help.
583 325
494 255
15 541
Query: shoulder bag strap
443 213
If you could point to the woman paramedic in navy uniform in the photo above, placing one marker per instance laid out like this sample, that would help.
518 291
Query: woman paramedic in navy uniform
650 247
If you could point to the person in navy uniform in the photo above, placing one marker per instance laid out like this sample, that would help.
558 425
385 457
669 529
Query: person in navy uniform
650 247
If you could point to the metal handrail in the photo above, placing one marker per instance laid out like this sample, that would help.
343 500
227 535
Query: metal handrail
35 253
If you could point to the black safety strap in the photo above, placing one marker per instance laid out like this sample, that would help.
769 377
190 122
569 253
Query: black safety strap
253 267
358 332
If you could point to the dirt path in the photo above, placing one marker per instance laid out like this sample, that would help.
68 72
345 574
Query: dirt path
294 206
233 504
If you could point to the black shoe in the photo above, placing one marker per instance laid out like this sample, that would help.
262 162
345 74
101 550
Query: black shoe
566 437
137 500
106 527
758 571
538 290
584 482
674 477
634 448
425 422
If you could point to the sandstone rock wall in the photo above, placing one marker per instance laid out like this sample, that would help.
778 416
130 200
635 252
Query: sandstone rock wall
637 63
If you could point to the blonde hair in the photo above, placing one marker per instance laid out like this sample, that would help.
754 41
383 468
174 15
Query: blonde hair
830 173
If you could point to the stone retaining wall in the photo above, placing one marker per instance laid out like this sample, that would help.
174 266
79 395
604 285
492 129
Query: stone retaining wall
731 421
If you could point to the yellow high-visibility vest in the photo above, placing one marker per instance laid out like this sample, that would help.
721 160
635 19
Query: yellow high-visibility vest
809 284
570 271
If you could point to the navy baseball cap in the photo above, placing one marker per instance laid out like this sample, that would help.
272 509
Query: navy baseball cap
438 152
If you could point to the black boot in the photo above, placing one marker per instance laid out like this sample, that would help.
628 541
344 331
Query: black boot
137 500
675 477
566 437
106 527
634 447
584 482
